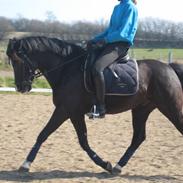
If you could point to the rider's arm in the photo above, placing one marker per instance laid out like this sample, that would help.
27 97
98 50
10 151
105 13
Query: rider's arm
128 27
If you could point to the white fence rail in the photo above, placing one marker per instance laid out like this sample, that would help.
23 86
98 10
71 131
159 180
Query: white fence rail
39 90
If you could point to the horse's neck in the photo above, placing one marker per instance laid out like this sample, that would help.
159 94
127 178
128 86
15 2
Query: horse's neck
58 69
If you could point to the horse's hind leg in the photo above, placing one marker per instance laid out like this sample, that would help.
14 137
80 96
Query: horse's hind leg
58 117
139 116
173 110
168 97
81 130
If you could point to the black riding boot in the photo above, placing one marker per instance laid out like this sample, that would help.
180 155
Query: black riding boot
100 95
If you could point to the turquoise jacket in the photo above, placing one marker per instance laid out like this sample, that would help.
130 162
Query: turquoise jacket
123 24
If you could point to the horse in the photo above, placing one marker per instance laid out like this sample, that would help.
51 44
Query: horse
61 63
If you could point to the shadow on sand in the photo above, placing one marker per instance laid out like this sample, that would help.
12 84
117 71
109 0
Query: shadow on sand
15 176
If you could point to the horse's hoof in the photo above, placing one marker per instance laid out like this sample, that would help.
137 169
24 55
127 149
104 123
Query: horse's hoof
116 171
109 167
23 169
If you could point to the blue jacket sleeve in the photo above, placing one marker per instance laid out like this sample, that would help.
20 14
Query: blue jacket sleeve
100 36
128 28
103 34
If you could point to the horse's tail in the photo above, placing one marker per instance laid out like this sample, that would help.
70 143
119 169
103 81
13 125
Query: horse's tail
178 68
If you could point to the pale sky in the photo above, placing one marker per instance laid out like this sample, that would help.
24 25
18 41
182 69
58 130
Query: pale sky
89 10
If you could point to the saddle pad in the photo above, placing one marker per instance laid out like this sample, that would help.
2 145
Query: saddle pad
121 78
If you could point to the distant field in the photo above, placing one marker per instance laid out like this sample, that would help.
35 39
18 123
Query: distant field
138 53
159 54
9 82
3 57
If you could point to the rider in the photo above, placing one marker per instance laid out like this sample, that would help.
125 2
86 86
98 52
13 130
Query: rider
111 44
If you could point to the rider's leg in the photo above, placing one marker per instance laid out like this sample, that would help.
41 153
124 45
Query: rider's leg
102 62
110 54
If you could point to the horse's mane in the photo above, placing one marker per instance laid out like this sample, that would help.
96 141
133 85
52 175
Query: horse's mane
42 44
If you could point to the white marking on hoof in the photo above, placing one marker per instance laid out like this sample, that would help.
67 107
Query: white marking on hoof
26 165
117 169
109 167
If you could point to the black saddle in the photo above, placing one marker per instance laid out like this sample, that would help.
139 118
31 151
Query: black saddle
121 77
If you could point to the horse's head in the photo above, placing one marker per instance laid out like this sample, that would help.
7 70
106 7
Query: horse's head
30 57
23 68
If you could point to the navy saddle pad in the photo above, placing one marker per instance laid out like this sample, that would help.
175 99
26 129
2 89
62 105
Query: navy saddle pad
121 78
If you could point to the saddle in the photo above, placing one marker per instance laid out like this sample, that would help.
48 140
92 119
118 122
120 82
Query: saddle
121 77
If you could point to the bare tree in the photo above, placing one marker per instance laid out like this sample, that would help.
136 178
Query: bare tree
50 16
5 25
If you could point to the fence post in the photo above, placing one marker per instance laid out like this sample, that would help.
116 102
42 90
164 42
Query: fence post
132 54
170 55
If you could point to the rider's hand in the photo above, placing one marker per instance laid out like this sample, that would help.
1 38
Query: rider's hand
90 44
101 43
96 45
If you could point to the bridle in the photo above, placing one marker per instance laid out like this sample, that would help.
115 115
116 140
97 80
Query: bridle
35 72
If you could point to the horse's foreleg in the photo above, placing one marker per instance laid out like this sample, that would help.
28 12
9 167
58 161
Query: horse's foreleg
139 115
81 130
58 117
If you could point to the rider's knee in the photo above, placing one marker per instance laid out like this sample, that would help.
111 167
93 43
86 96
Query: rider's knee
96 71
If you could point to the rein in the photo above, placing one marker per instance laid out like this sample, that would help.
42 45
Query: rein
59 66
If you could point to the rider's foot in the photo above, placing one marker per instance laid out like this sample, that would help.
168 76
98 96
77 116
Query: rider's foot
97 112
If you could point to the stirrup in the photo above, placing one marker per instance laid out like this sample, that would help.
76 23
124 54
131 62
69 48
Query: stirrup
94 113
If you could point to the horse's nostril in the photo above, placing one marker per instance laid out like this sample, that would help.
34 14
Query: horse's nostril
18 87
28 88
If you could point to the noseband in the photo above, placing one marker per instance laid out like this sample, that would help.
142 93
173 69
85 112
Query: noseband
35 73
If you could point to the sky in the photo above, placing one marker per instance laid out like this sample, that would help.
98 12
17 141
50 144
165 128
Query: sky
88 10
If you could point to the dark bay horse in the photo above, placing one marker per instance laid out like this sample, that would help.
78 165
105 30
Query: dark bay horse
160 86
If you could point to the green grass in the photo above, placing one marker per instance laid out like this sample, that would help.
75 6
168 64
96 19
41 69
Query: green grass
30 93
40 83
159 54
6 82
9 82
138 53
3 58
4 66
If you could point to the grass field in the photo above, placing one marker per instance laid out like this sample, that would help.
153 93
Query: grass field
138 53
9 82
159 54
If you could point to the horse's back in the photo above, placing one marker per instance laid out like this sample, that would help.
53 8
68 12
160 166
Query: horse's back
164 85
157 70
178 68
159 78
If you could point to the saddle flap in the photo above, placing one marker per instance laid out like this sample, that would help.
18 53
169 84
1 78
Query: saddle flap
121 77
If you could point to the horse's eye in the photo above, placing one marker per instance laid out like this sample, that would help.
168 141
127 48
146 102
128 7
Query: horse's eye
9 60
15 59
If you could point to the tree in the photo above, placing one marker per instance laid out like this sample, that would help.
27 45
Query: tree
5 25
50 17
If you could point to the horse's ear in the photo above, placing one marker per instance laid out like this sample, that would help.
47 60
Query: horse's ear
14 39
12 43
11 46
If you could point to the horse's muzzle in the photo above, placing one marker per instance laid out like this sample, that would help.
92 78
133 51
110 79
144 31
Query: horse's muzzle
23 87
